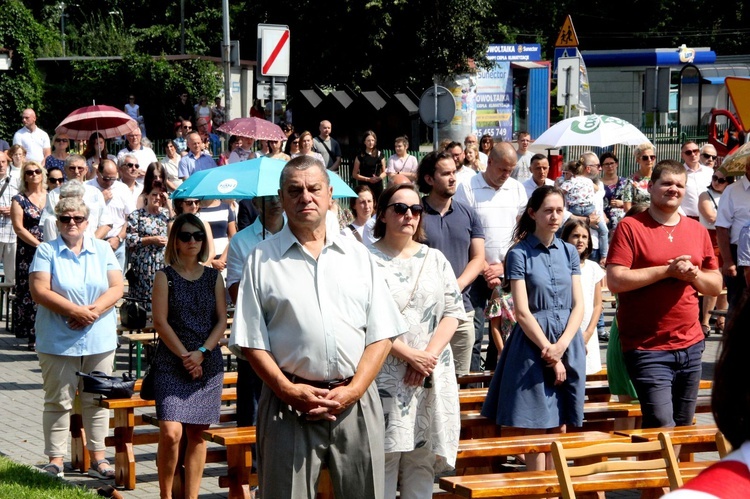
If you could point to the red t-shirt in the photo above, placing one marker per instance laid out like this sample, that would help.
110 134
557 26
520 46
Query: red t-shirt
663 315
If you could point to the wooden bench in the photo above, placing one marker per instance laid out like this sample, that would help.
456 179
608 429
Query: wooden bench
546 484
697 438
484 452
596 415
596 391
125 437
486 377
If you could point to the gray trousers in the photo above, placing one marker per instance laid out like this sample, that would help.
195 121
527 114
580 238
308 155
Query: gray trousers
291 450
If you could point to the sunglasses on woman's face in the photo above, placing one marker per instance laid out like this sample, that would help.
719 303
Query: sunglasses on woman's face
719 180
647 157
56 180
191 202
185 236
67 218
401 208
31 173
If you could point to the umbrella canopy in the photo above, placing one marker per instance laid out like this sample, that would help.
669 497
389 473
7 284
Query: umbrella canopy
245 180
107 120
595 130
253 128
735 163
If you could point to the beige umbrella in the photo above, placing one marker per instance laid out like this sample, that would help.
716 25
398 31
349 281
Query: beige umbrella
735 163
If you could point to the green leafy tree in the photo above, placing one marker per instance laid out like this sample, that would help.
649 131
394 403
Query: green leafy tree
22 85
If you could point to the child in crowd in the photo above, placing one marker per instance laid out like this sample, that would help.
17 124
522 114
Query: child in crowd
502 319
579 199
577 233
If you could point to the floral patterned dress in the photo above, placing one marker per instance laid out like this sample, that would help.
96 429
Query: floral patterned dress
614 191
145 259
637 190
419 416
25 306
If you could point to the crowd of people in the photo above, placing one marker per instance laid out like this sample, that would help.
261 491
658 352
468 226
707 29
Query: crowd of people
366 372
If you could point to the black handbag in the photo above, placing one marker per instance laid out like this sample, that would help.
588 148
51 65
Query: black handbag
147 383
133 313
113 387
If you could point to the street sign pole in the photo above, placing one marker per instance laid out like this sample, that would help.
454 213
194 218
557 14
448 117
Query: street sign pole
566 112
273 104
435 122
225 59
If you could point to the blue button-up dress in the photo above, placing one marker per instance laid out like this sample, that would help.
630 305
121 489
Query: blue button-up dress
522 393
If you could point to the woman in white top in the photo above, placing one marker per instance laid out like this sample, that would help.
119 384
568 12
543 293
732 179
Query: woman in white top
305 147
708 206
362 208
171 163
402 162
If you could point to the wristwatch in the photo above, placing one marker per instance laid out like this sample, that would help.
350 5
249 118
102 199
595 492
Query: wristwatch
205 351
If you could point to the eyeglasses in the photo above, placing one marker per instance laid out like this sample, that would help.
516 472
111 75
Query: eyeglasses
401 208
77 168
613 163
708 156
295 142
109 179
191 202
55 180
719 180
132 165
647 157
61 140
67 218
31 173
691 151
594 165
187 127
185 237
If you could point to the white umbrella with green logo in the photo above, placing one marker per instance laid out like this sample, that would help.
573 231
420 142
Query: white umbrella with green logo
595 130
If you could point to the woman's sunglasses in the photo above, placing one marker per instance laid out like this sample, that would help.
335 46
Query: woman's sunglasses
67 218
647 157
185 237
719 180
401 208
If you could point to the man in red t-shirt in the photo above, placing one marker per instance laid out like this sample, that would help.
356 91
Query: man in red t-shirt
658 262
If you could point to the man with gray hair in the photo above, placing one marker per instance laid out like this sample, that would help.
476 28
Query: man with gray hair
100 222
498 201
317 341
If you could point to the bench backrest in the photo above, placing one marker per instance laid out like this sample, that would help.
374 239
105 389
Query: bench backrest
723 445
667 461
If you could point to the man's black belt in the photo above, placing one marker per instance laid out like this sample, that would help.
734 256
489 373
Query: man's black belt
327 385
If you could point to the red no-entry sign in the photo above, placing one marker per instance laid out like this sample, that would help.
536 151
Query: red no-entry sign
274 52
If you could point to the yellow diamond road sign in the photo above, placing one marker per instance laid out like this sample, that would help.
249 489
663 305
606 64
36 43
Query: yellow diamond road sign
567 36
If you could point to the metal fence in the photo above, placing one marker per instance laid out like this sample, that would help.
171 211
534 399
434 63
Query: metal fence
667 141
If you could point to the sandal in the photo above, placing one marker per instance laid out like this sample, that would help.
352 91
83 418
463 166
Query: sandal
719 326
706 330
54 470
102 469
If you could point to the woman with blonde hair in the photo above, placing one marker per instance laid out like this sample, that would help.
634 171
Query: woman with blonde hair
637 190
471 158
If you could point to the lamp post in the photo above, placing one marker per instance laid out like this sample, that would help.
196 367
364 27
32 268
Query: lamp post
62 6
182 27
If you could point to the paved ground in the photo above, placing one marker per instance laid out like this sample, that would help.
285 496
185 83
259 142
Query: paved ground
21 401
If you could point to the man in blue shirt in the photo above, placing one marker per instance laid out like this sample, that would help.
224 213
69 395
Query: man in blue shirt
455 230
197 159
210 139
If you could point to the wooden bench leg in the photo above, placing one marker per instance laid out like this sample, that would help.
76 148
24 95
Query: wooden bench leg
239 467
124 455
79 456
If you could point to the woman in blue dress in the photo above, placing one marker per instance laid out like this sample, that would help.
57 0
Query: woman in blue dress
539 382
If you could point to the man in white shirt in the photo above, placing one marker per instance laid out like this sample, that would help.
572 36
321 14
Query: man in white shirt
32 138
539 171
100 222
144 155
698 178
522 171
464 174
499 201
119 203
733 215
8 189
316 353
129 168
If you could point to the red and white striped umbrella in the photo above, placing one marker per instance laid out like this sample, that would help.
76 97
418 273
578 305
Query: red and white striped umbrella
107 120
253 128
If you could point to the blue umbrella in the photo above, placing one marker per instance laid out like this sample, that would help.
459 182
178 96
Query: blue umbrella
245 180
